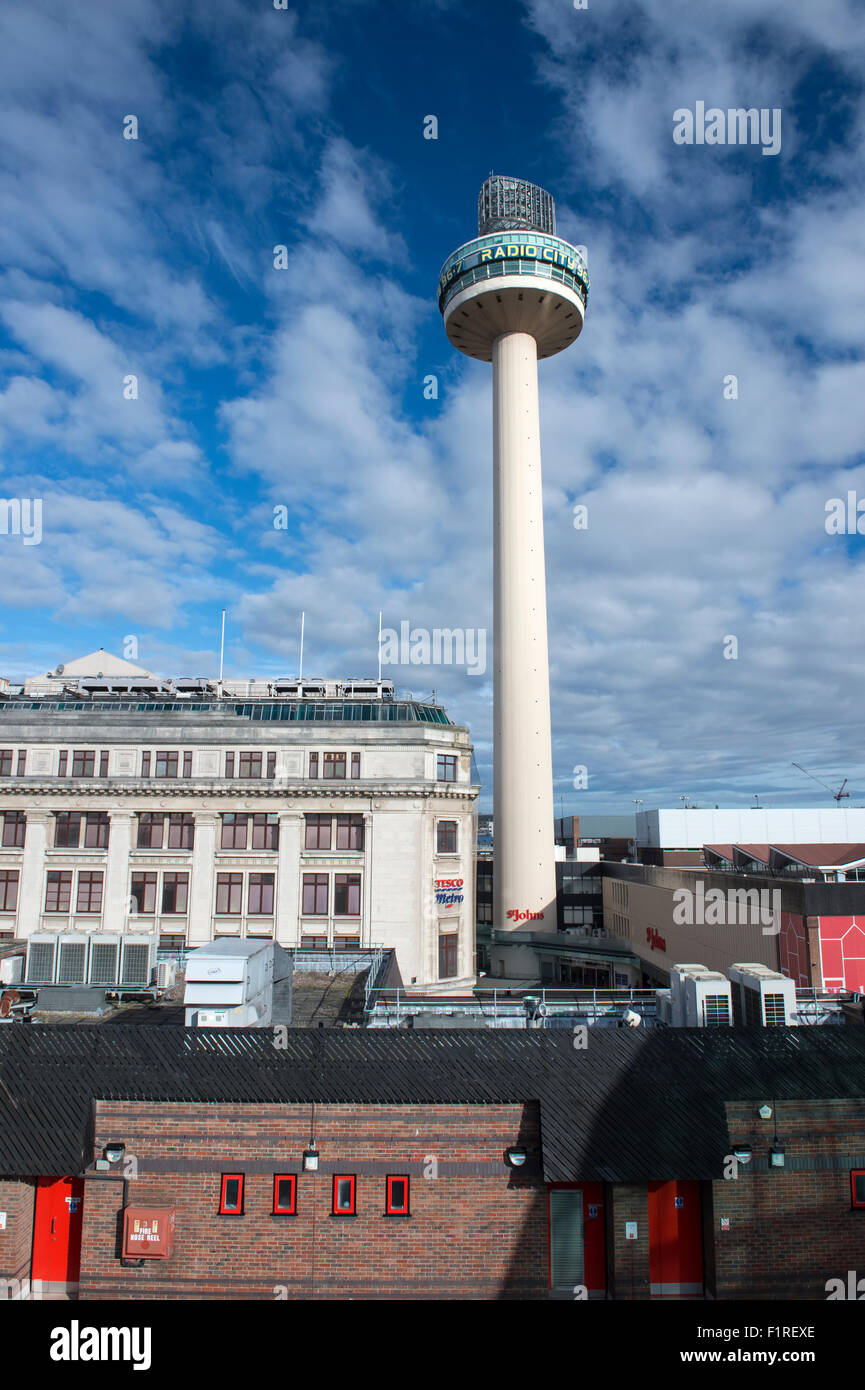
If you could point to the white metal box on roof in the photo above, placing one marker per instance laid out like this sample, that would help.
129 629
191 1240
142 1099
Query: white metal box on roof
762 997
699 998
248 964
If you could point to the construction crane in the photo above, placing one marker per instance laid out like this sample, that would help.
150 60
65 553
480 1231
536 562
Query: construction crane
837 795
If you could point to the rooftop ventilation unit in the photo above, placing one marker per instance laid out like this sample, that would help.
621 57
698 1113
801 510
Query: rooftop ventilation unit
41 951
78 958
699 998
104 960
762 998
138 960
72 964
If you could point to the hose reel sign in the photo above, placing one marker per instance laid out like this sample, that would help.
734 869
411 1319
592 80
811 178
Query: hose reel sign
148 1233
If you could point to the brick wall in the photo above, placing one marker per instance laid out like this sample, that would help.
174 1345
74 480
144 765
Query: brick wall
17 1198
477 1230
791 1230
628 1270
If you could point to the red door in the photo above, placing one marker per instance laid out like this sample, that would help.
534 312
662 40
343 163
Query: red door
57 1224
675 1240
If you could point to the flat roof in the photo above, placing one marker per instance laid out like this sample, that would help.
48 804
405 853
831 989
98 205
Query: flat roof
637 1104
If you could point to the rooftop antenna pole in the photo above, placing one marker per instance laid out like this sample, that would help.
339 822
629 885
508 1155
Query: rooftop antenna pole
379 650
300 672
221 651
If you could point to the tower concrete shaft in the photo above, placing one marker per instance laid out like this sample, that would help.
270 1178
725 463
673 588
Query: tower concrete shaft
514 295
524 886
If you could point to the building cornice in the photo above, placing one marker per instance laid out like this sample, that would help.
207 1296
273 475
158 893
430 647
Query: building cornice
272 789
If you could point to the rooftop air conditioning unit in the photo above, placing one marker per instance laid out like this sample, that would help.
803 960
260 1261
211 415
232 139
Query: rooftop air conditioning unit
762 998
41 955
11 970
166 974
104 960
664 1007
138 960
72 963
699 998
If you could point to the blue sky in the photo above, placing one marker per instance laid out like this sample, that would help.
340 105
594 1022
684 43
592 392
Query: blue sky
303 387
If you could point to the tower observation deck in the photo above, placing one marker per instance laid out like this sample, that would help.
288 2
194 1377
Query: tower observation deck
515 294
515 276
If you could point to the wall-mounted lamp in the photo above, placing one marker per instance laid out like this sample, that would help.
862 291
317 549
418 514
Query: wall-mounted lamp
310 1158
516 1156
776 1154
742 1153
114 1152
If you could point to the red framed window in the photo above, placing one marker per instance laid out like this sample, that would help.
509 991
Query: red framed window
229 894
62 760
229 764
8 890
145 764
103 763
181 830
346 895
313 764
231 1194
284 1194
166 763
334 767
67 829
446 767
250 765
89 897
187 764
150 829
97 826
397 1198
446 837
175 892
318 830
448 955
58 890
6 756
14 828
260 894
234 830
83 762
344 1194
349 832
22 763
314 902
265 830
355 764
857 1187
271 765
143 892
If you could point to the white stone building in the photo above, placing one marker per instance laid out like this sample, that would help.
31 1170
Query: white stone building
323 813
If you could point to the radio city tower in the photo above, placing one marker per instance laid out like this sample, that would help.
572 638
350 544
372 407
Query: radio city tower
515 294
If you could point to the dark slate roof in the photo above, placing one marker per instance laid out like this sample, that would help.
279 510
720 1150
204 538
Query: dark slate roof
634 1105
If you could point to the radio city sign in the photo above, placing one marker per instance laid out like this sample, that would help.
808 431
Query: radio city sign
475 253
448 891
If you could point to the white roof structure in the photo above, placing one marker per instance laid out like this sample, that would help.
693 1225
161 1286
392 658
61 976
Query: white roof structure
692 829
95 664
